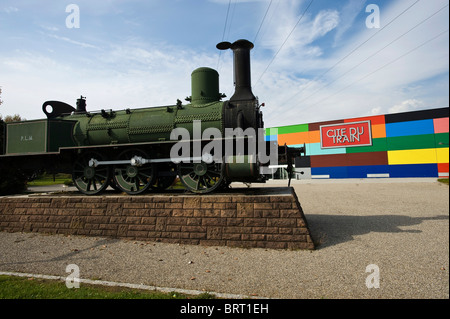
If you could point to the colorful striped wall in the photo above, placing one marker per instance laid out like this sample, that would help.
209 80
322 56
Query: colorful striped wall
409 144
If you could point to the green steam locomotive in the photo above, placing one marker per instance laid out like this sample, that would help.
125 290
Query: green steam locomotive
208 143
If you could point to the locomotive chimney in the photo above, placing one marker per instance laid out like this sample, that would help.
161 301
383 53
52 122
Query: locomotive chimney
81 105
242 78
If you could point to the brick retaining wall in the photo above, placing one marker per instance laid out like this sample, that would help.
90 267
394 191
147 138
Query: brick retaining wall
273 219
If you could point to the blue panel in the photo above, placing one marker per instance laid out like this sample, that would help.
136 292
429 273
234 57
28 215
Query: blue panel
315 149
271 138
362 171
410 128
414 170
333 172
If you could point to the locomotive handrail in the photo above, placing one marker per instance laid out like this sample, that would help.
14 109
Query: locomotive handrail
139 161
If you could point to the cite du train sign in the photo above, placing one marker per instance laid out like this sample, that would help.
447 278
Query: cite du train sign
345 135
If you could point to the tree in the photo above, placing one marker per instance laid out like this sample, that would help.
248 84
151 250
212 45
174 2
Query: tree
11 180
2 134
13 118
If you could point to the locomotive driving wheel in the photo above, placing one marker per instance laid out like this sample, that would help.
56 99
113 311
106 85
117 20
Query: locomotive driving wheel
90 180
201 177
133 179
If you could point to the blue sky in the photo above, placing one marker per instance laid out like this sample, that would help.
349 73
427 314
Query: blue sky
313 60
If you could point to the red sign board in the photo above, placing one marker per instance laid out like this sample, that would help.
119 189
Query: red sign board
345 135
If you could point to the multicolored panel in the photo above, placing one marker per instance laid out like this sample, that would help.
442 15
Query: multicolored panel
409 144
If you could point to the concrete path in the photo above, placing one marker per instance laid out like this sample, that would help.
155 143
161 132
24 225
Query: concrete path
390 232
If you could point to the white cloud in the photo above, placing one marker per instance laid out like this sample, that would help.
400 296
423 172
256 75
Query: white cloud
385 82
324 22
9 9
136 72
375 111
407 105
50 28
124 75
237 1
298 30
66 39
348 15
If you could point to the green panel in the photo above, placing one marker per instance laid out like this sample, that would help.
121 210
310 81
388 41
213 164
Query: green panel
60 135
441 140
151 124
80 129
26 137
108 129
209 114
240 166
378 145
289 129
411 142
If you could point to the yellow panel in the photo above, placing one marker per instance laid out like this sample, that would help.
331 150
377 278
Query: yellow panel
421 156
442 155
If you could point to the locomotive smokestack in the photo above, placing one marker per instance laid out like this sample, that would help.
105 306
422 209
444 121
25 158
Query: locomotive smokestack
81 105
242 77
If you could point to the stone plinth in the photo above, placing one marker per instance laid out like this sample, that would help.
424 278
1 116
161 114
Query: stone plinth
256 217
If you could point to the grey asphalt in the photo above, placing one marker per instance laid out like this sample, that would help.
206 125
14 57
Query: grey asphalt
399 225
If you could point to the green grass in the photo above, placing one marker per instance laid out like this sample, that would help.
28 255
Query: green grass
443 180
12 287
47 179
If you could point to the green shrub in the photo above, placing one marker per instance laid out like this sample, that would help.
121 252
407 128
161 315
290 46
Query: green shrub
12 181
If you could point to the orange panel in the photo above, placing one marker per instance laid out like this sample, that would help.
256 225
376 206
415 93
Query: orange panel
441 125
314 136
378 131
374 120
293 138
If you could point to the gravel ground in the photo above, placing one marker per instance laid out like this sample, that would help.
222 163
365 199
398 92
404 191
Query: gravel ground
399 225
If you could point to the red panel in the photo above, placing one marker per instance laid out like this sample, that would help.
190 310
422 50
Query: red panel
346 134
374 120
442 167
332 160
351 159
